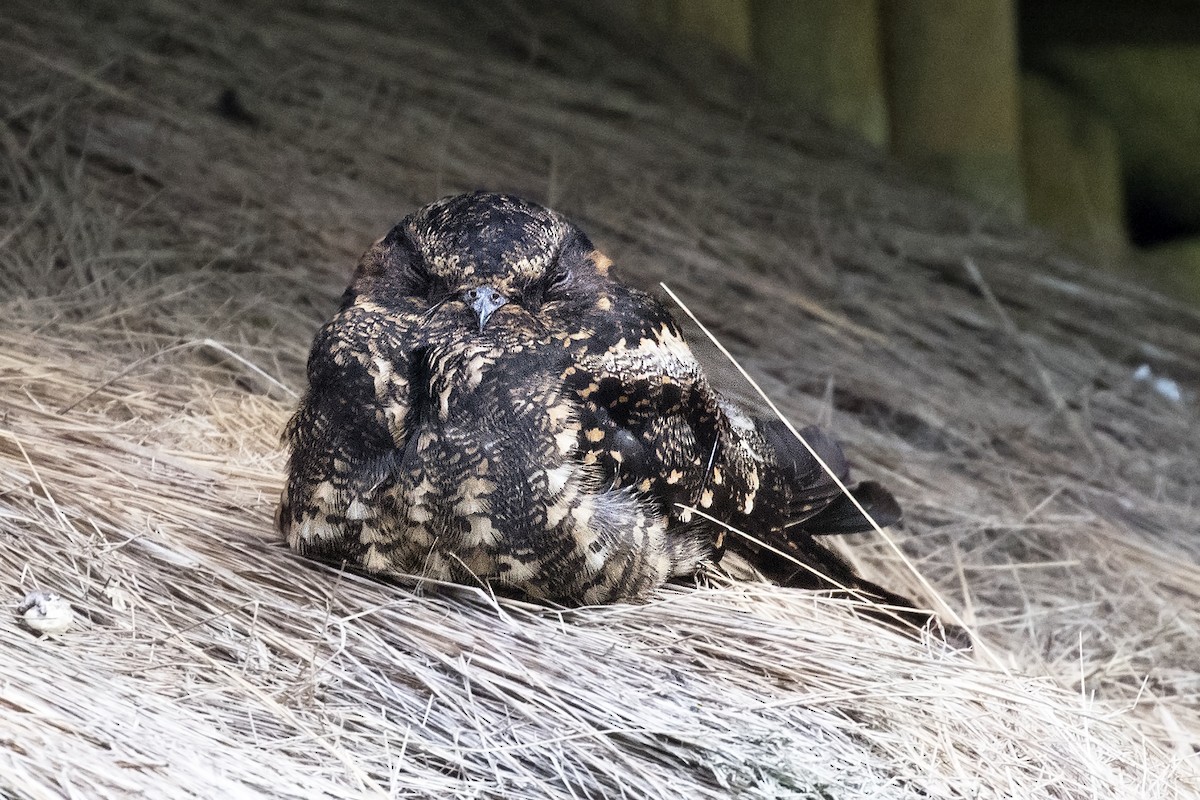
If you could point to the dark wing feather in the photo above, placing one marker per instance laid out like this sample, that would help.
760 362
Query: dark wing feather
803 487
816 503
841 516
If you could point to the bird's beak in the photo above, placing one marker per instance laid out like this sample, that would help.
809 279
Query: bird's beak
483 300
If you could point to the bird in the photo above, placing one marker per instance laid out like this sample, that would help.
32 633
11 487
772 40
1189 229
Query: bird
491 404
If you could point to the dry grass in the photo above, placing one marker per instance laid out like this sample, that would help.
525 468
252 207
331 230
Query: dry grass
162 269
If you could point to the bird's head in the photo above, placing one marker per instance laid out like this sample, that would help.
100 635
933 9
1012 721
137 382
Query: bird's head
496 264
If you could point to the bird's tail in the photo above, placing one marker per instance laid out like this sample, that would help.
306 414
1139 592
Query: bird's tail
791 554
796 559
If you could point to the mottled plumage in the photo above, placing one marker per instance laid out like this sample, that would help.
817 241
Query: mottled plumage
491 404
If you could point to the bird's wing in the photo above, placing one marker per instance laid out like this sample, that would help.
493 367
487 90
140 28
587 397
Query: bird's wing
349 430
650 420
648 417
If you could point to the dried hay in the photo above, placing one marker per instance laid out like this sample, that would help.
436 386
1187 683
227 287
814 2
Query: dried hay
163 270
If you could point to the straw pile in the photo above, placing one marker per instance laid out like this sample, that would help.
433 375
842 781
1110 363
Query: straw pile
182 193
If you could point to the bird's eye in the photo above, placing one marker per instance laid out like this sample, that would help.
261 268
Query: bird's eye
559 278
547 287
430 286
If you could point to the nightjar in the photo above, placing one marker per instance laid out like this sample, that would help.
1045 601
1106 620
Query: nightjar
491 404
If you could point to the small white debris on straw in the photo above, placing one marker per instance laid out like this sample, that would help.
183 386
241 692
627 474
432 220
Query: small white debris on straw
46 613
1164 387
